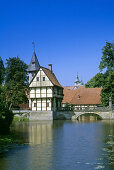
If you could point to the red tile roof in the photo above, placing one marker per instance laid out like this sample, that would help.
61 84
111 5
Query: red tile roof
82 96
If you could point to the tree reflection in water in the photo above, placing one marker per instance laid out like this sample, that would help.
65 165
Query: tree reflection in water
109 143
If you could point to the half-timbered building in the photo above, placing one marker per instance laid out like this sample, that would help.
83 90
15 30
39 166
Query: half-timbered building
46 93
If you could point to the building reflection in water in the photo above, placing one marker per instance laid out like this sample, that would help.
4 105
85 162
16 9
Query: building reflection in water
40 133
33 132
39 136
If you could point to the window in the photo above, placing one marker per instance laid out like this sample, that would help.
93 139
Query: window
33 62
47 104
34 104
43 78
37 78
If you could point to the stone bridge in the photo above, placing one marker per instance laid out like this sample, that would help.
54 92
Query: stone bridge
63 113
101 112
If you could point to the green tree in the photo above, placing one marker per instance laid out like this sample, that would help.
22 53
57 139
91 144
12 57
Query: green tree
106 79
107 63
2 71
108 88
16 81
96 81
6 115
72 106
107 59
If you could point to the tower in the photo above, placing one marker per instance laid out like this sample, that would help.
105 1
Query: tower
78 82
33 67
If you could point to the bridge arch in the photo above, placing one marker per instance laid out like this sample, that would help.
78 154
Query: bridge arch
89 114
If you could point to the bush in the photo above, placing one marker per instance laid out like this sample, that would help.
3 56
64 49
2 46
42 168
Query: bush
6 115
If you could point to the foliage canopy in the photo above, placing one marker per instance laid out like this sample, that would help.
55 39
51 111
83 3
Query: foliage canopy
106 79
107 59
6 115
2 71
96 81
16 81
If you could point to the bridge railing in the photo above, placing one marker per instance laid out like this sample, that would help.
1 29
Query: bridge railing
86 109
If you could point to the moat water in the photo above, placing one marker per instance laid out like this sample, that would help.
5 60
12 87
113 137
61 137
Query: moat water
61 145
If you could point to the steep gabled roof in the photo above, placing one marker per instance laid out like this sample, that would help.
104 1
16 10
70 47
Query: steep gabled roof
34 64
82 96
51 77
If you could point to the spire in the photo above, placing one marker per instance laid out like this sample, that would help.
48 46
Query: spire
34 64
77 79
77 83
33 43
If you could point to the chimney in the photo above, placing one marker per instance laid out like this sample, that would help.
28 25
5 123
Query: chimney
50 67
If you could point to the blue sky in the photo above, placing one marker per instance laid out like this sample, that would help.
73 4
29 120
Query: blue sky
67 33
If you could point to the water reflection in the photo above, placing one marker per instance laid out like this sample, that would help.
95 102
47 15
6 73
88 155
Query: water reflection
40 133
62 145
109 143
33 132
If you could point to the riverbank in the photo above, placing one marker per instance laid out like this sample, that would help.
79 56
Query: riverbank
7 140
18 119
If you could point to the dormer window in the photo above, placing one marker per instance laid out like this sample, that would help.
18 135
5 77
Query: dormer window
37 78
43 78
33 62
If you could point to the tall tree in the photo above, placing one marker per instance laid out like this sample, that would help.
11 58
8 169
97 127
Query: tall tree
108 88
96 81
106 79
107 59
107 63
16 81
6 115
2 71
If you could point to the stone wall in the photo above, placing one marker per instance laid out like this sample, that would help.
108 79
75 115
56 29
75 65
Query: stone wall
50 115
41 115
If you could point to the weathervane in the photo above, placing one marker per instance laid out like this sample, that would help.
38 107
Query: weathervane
33 44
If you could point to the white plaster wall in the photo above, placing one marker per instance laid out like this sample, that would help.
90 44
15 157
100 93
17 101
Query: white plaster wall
40 83
43 104
33 108
49 90
49 101
37 95
32 93
37 90
43 95
43 90
49 95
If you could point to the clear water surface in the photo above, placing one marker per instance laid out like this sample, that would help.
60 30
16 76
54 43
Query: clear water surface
61 145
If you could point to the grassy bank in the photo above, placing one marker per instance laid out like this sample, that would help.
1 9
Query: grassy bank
18 119
7 140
